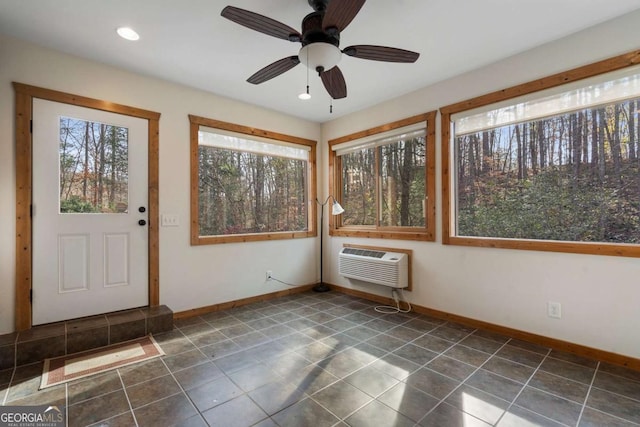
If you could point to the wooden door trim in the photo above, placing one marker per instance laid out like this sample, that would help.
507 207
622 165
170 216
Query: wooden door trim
24 114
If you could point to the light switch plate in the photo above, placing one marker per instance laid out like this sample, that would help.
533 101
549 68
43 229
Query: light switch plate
170 220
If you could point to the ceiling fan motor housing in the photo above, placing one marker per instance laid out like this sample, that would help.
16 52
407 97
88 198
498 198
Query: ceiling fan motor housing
312 31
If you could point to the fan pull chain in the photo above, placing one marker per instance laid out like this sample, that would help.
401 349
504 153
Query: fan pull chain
330 105
305 96
308 73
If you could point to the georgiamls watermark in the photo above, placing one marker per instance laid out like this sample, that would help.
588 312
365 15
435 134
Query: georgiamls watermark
32 416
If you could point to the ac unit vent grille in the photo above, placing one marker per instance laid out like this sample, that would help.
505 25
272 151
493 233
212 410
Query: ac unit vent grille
382 268
363 252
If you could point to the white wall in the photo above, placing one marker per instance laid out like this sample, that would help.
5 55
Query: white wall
600 295
190 277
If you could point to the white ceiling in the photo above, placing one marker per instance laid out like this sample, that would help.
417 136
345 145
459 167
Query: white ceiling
188 42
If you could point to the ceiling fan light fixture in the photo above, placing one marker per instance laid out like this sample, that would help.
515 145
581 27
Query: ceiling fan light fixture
320 55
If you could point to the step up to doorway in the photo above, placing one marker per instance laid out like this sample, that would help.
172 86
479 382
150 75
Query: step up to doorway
72 336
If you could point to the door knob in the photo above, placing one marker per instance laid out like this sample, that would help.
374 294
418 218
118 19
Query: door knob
142 222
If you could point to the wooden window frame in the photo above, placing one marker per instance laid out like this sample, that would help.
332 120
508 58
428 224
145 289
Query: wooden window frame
426 233
448 236
196 239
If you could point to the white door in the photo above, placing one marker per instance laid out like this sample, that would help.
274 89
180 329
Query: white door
89 212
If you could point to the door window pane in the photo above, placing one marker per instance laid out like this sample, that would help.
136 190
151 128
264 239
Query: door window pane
93 167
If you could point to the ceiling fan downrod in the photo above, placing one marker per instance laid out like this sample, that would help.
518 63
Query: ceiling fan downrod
319 5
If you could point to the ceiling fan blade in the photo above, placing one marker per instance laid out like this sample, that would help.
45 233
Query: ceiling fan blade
274 70
340 13
260 23
333 81
381 53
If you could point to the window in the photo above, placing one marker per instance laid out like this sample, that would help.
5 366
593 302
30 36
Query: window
384 179
93 167
555 169
249 184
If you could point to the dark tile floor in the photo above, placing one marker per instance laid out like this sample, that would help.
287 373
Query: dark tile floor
331 360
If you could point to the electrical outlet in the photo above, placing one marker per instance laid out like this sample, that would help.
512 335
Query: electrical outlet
269 274
554 309
170 220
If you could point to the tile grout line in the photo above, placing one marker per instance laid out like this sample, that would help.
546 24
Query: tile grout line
554 394
101 395
460 382
182 390
583 405
618 394
343 419
270 340
310 397
610 392
453 344
525 386
108 330
66 403
294 351
372 399
586 398
280 379
9 384
126 395
208 359
378 358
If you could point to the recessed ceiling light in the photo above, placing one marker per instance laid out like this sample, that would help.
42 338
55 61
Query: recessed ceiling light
128 33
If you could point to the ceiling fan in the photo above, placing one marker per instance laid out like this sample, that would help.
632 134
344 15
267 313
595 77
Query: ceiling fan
320 39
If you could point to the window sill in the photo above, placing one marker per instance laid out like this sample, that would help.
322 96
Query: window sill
238 238
396 234
611 249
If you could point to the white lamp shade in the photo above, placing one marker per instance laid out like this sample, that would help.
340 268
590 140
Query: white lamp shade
336 209
320 54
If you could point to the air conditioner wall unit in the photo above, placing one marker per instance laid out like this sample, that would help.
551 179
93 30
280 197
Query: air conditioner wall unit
379 267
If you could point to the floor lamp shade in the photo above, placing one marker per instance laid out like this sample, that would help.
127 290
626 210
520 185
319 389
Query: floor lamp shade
336 209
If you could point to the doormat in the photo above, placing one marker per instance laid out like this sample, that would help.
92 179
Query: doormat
62 369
